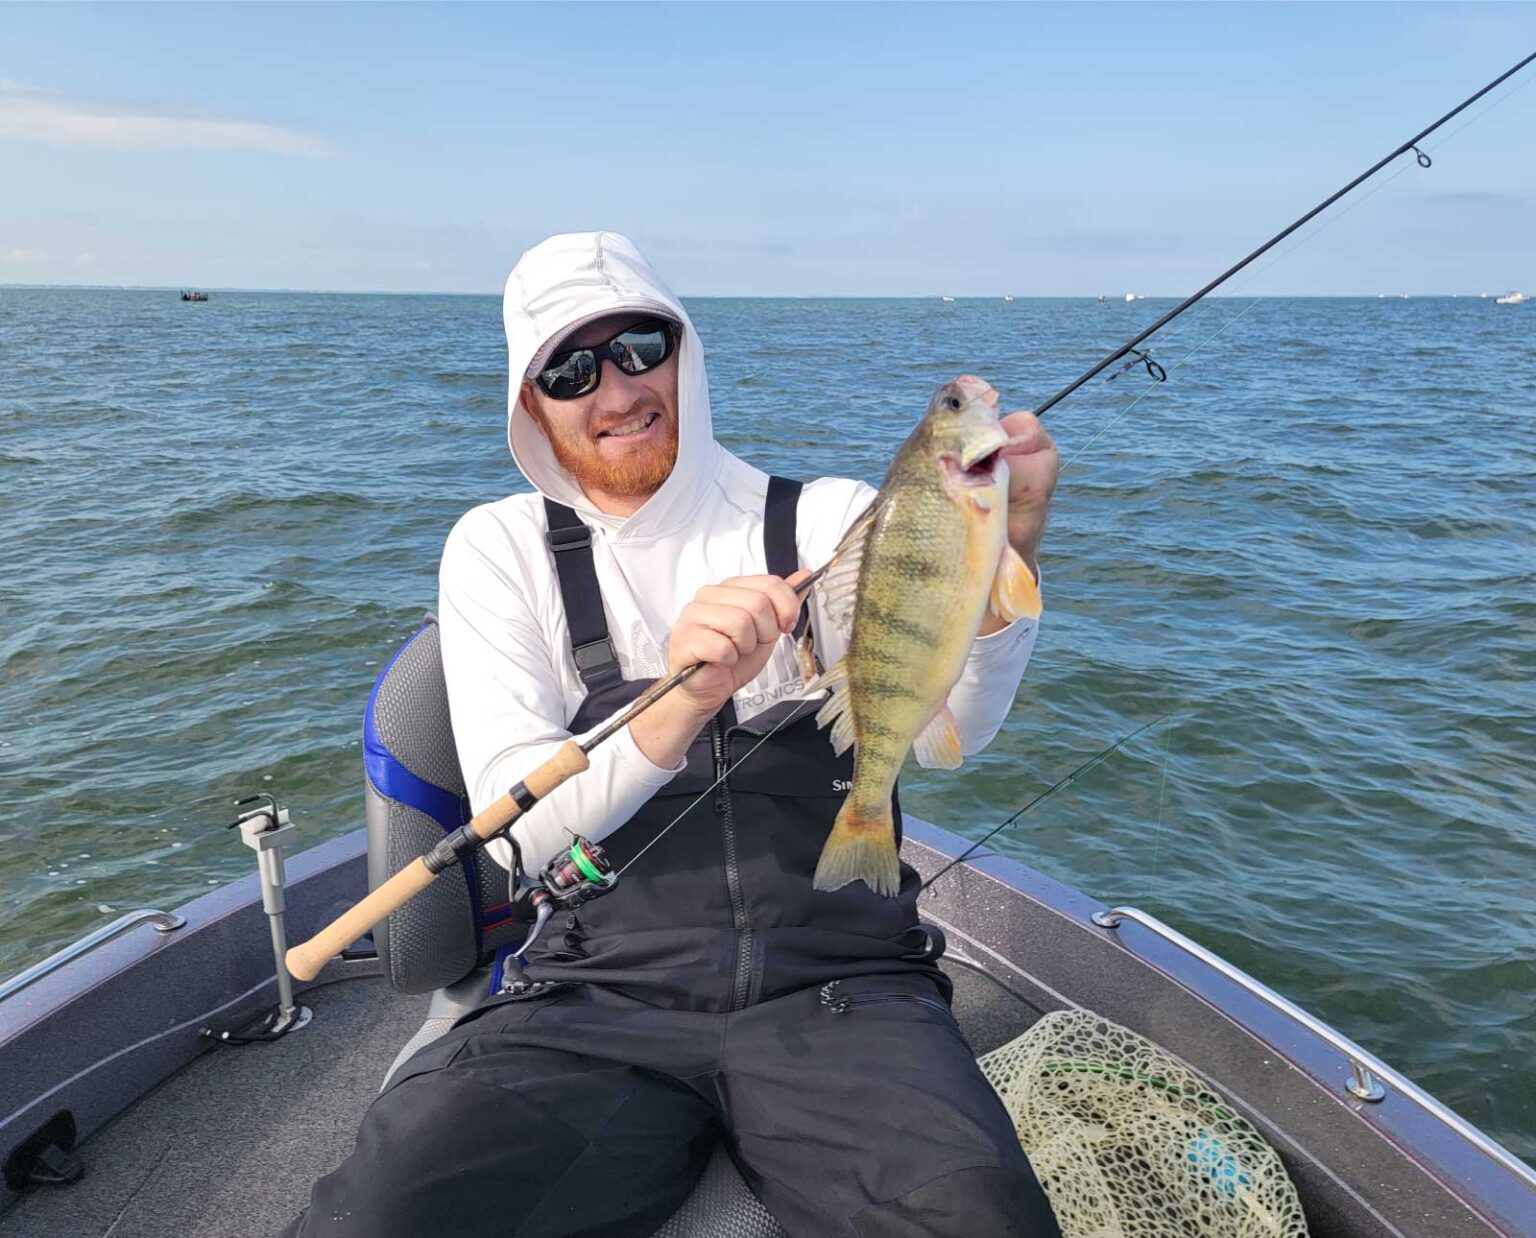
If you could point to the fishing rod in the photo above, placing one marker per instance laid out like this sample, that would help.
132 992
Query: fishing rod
1157 373
582 871
1051 790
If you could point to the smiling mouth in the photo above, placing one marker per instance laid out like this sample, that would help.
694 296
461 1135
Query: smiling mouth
630 428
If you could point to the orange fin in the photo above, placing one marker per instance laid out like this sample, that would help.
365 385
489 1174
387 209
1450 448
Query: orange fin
1015 595
938 746
860 848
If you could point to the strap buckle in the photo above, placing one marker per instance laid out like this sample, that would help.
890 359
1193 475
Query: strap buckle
560 540
595 655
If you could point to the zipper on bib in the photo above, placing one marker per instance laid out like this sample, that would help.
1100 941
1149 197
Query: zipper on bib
841 1003
742 982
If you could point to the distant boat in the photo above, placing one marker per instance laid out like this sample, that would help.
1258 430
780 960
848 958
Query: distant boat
1513 298
1130 296
1007 298
1482 296
194 296
947 298
1102 298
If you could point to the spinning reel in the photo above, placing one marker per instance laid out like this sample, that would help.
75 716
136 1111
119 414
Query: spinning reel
572 877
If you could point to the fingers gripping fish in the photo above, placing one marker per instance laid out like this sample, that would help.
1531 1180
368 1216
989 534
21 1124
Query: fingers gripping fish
911 581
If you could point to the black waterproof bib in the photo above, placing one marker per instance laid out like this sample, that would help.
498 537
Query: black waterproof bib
718 912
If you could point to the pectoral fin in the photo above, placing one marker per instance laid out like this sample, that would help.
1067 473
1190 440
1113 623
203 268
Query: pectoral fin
805 655
938 747
1015 595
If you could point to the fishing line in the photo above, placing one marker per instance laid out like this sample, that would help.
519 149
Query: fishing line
1044 795
729 770
1411 144
1280 257
1157 833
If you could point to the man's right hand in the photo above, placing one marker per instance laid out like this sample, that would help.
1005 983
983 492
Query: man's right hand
731 628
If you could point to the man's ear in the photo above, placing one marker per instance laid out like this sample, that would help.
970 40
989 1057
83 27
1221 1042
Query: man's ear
529 403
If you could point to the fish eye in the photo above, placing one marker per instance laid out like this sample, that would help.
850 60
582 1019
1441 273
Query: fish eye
953 404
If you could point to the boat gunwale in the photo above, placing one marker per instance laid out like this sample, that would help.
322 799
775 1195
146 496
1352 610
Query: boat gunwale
965 901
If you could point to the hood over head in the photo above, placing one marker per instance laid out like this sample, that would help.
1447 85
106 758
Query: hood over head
563 283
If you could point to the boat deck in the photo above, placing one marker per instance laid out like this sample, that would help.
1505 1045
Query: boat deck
228 1146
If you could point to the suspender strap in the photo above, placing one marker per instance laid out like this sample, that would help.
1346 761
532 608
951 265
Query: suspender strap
779 532
570 542
779 526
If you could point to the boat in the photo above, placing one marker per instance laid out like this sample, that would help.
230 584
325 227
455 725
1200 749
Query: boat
162 1076
193 296
946 298
1512 298
1129 297
1007 298
1102 298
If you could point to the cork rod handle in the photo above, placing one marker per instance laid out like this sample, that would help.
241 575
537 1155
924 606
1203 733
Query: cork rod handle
306 959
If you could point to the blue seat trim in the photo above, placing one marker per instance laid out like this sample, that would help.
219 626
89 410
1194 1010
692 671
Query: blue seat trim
391 779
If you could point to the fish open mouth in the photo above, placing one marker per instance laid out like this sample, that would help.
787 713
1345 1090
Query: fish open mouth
980 472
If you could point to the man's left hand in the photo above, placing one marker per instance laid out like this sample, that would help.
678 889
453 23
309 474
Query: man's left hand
1032 468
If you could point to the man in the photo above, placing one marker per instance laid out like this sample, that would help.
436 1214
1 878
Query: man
713 993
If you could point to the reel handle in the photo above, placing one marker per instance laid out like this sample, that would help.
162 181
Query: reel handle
305 960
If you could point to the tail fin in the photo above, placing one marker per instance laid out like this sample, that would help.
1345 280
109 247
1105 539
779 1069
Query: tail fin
861 847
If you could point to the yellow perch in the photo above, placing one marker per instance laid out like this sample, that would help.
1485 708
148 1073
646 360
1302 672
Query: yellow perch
915 576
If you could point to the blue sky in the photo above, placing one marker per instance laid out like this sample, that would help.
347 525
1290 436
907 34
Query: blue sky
761 149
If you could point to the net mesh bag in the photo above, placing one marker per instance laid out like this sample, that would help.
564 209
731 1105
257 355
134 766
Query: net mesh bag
1130 1144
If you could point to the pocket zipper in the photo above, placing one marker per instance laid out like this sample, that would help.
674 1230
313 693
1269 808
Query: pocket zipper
837 1003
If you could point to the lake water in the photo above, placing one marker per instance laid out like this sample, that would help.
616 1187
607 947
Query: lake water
1316 544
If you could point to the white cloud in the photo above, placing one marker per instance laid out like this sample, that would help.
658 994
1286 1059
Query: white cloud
23 255
34 115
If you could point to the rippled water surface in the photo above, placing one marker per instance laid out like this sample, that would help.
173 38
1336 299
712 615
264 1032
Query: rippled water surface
1316 544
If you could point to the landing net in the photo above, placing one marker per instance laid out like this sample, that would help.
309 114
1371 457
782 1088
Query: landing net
1130 1144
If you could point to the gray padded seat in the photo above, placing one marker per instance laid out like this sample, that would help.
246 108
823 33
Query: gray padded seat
441 942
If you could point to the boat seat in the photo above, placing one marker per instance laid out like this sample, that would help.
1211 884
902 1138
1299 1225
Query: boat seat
444 941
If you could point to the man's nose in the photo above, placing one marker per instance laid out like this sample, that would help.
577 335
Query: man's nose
617 390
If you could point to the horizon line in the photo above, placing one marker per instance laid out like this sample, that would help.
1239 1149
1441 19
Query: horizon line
1118 298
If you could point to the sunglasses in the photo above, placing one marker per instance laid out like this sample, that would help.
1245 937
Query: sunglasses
636 349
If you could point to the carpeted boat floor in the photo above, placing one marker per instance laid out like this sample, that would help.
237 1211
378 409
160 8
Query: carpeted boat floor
228 1147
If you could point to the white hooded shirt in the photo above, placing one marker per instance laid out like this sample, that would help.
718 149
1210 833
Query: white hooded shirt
511 679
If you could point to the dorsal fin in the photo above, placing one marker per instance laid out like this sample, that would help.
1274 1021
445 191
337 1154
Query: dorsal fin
840 585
